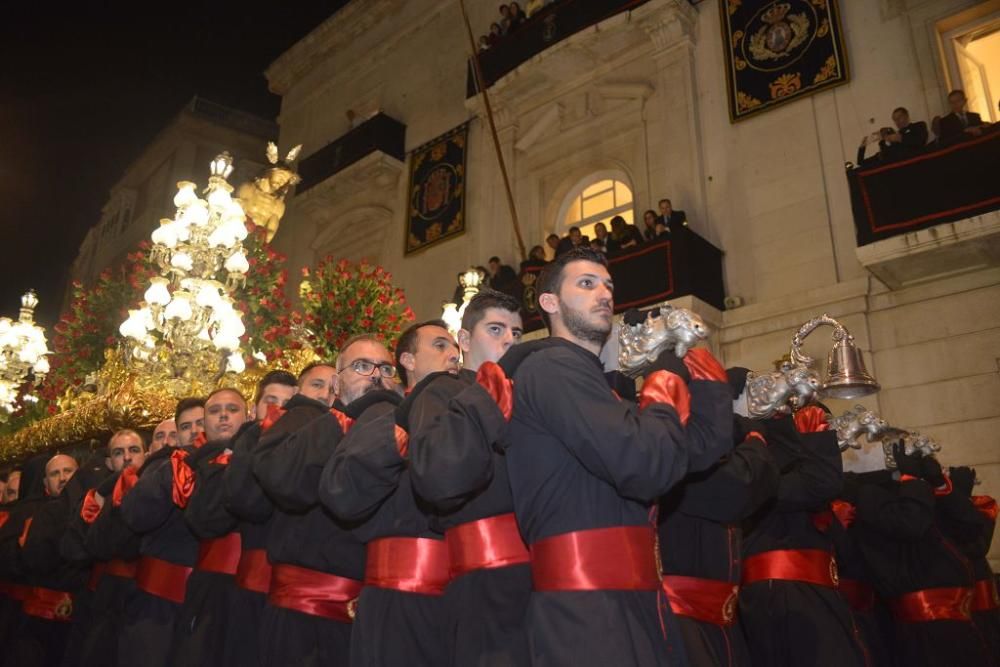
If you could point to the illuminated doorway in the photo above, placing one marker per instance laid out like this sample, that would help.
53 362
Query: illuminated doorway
598 198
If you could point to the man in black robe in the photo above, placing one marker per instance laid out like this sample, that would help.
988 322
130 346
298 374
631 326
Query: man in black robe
790 610
456 468
246 501
585 471
318 564
45 626
923 576
700 540
94 639
201 633
167 547
31 493
969 521
367 482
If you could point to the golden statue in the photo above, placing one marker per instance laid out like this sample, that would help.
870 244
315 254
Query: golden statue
263 200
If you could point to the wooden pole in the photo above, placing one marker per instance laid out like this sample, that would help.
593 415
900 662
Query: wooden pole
481 86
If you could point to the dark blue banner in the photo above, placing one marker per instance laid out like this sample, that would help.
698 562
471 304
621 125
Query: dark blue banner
779 51
437 190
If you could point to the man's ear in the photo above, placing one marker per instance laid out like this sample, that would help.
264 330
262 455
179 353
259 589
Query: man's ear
464 340
549 302
407 361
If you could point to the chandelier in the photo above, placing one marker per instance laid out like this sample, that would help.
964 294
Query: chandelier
22 351
470 282
187 326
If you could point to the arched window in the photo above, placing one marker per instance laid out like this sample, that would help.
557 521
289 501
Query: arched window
598 199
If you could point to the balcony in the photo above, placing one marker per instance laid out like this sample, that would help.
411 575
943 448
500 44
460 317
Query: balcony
683 264
931 215
380 133
546 27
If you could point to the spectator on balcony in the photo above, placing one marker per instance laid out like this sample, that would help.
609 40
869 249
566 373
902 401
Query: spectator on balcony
575 239
517 16
601 238
496 33
552 241
505 19
960 123
653 226
669 218
501 277
484 43
906 140
536 259
624 235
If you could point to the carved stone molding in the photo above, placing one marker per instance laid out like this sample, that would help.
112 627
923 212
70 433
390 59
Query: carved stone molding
668 23
376 170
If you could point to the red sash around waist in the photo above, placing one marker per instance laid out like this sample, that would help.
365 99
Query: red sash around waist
615 558
706 600
162 578
96 572
220 555
19 592
486 543
933 604
125 569
984 595
314 593
812 566
859 595
49 604
408 564
254 571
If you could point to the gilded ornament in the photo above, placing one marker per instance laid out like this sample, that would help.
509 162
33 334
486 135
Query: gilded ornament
828 70
745 101
781 34
785 85
263 199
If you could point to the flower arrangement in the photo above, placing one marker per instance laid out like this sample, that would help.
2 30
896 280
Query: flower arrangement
341 299
267 310
90 323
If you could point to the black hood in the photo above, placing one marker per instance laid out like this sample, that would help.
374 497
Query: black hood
32 478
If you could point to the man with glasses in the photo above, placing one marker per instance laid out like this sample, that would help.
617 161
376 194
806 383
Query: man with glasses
367 482
317 563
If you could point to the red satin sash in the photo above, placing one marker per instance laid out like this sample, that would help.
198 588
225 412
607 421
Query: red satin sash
933 604
615 558
984 595
220 555
162 578
812 566
706 600
96 572
126 569
48 604
408 564
859 595
484 544
254 571
314 593
19 592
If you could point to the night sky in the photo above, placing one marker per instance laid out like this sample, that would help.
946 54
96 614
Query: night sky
86 86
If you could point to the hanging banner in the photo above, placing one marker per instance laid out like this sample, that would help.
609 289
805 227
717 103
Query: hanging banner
437 190
777 52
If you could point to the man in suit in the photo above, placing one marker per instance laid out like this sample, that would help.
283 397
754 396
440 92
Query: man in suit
670 218
908 138
959 124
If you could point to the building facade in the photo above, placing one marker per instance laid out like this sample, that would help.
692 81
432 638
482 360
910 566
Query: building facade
640 98
181 151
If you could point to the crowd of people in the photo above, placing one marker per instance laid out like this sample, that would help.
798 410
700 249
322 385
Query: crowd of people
481 501
510 19
910 138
